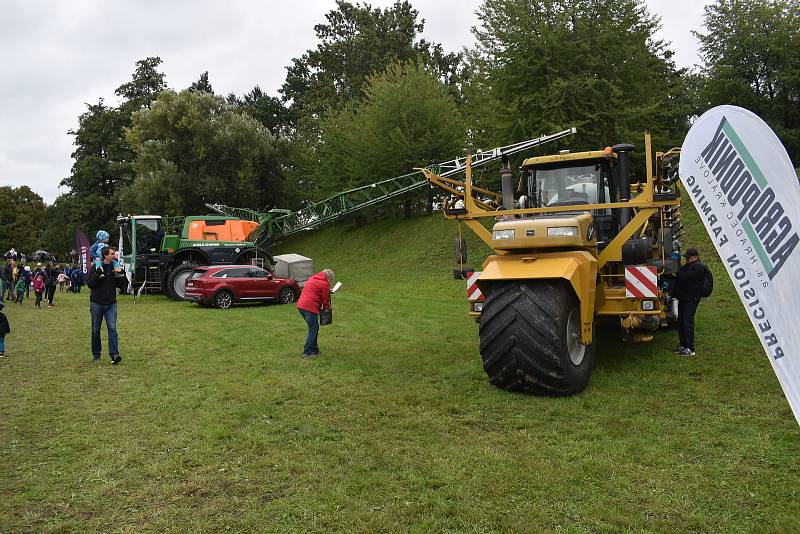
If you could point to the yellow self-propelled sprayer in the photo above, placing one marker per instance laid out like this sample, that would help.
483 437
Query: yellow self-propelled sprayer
575 242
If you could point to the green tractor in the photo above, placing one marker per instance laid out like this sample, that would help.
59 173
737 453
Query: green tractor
159 260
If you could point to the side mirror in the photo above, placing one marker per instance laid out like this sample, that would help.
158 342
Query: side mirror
270 276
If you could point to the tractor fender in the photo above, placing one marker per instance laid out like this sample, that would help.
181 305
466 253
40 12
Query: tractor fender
189 254
577 267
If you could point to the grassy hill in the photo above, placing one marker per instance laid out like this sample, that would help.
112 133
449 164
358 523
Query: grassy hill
213 421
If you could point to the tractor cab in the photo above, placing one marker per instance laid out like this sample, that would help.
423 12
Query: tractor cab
141 237
141 234
586 180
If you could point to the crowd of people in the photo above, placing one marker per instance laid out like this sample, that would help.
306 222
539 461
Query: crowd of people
17 280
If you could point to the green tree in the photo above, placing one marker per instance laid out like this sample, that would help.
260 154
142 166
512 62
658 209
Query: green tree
202 85
145 85
545 65
103 160
268 110
193 148
751 58
407 118
21 219
355 42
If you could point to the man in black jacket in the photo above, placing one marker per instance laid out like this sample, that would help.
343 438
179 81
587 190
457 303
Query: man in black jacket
103 305
688 290
7 275
51 273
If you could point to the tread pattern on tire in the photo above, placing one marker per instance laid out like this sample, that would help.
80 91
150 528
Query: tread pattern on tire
171 278
522 345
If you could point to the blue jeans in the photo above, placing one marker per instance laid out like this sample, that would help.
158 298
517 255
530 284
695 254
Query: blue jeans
312 320
2 344
109 313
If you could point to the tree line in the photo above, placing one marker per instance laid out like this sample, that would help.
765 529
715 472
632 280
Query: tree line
374 99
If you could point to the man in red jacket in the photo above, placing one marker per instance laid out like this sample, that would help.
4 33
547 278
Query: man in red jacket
316 295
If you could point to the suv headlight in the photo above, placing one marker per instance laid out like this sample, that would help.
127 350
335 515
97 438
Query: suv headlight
503 234
562 231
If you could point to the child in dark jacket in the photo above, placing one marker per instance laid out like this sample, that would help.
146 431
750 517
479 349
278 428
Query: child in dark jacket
4 329
20 287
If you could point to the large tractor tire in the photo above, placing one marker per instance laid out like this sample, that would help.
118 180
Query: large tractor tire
176 281
529 334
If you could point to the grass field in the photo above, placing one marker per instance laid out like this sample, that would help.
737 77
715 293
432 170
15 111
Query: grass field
213 422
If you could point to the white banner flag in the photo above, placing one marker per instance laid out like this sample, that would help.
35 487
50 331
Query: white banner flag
743 184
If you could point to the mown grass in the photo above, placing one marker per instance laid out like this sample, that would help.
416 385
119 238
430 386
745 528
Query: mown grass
213 422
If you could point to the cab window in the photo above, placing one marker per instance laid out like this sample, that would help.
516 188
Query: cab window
148 234
570 185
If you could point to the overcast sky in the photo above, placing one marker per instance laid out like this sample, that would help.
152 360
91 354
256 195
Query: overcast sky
59 55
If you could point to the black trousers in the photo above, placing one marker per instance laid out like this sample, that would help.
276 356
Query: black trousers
686 311
51 292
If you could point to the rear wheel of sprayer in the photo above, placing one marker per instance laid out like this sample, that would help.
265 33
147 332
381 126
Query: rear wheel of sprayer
529 334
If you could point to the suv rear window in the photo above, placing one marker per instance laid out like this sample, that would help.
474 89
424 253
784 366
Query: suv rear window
197 273
234 272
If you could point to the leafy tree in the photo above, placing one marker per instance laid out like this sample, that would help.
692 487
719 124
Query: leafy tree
103 159
355 42
145 85
406 119
268 110
751 58
21 219
192 148
202 85
545 65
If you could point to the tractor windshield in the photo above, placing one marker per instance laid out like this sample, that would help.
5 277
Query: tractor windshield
148 235
567 186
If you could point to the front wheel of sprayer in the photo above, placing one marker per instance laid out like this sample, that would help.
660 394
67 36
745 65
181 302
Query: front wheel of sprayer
529 334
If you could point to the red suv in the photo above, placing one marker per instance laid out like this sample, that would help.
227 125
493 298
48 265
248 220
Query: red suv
221 286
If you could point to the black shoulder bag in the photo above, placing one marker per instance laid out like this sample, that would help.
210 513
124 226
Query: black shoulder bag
326 315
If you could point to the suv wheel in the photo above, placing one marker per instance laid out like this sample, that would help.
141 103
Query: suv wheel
223 299
287 295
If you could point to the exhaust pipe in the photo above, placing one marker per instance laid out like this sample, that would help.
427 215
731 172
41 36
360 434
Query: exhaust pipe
506 181
623 151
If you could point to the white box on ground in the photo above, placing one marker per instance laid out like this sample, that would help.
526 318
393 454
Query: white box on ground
294 266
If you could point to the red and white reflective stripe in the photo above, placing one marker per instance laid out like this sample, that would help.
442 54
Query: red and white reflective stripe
641 282
473 293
